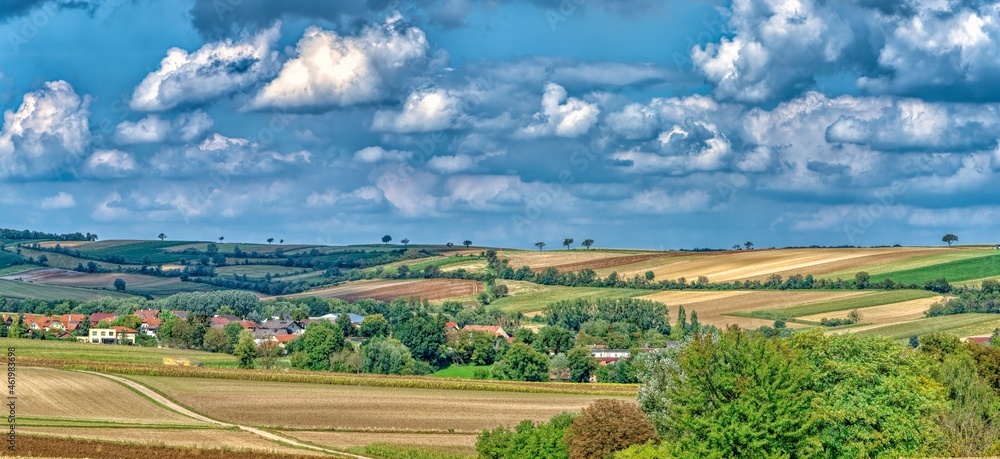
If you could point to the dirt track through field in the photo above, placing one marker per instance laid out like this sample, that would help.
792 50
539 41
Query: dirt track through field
170 404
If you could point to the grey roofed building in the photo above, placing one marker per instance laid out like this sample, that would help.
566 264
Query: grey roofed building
355 319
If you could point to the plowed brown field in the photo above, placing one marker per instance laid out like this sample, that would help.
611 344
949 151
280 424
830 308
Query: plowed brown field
144 445
49 393
388 290
319 406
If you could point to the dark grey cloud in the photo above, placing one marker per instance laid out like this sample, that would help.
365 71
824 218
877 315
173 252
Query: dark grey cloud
10 9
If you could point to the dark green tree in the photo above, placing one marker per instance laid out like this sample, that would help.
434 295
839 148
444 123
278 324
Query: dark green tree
374 325
245 349
522 363
949 238
582 364
120 284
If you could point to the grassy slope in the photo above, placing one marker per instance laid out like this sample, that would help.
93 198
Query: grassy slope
961 325
16 289
953 271
946 256
866 301
535 297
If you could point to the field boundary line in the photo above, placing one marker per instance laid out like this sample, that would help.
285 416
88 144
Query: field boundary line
180 409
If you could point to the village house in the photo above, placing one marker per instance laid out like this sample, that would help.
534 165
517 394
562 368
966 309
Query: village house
223 320
283 327
150 326
97 317
495 330
113 335
355 319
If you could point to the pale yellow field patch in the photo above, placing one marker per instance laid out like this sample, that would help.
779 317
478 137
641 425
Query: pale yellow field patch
193 438
884 314
52 244
50 393
713 307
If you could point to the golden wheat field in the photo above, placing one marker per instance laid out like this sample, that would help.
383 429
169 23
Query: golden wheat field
713 307
885 314
319 407
49 393
387 290
759 264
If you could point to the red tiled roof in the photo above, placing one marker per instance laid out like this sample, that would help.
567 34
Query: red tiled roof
494 329
147 313
122 329
99 316
285 338
451 325
152 323
248 324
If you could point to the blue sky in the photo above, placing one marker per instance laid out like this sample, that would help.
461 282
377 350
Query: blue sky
637 123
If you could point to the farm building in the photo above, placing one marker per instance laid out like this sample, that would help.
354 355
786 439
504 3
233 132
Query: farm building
97 317
355 319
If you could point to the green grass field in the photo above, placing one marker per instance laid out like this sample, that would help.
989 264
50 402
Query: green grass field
135 251
101 353
946 256
16 289
59 260
960 325
526 297
859 302
257 270
460 371
954 271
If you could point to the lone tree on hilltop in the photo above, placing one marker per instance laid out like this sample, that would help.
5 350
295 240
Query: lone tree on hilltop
539 245
466 243
949 238
222 238
450 244
162 237
405 241
270 240
568 242
120 284
748 245
281 241
587 243
386 239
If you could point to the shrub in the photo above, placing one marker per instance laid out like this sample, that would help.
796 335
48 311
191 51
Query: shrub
607 426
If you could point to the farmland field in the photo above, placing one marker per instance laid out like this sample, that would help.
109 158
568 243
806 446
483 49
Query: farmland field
143 445
953 271
17 289
49 393
203 439
321 407
866 300
960 325
135 251
134 282
85 352
759 264
388 290
257 270
716 308
455 443
529 297
890 313
59 260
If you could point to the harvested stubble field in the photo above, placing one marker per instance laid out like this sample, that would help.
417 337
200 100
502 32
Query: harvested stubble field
388 290
759 264
459 443
971 324
50 393
575 260
716 307
202 439
326 407
57 445
884 314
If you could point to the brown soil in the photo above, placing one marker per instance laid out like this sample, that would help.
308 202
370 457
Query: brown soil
55 444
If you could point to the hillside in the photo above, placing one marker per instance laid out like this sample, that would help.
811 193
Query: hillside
87 269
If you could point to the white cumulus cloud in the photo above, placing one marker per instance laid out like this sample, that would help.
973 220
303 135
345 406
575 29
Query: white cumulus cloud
47 132
215 70
331 70
561 116
424 111
62 200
